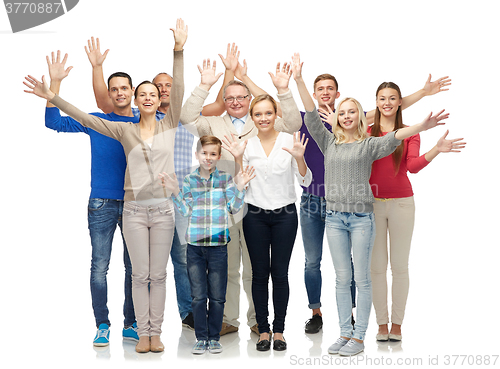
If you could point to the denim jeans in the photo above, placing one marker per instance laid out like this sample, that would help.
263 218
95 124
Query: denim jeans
270 236
103 217
312 225
179 262
207 271
346 233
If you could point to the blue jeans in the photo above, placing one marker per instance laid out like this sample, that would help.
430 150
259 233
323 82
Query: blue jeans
207 271
312 224
270 235
103 217
179 262
346 233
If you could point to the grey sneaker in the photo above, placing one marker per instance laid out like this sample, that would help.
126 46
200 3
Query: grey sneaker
214 347
352 348
200 347
334 349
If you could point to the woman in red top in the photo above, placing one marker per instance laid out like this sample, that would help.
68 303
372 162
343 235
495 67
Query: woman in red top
394 208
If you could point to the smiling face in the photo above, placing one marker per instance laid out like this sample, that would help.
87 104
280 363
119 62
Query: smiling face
325 92
164 83
147 98
264 115
348 116
208 156
120 92
235 108
388 102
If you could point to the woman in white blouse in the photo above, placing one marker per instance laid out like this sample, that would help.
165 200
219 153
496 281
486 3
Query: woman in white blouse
270 226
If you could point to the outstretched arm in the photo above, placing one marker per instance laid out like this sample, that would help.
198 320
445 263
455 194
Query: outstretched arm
429 122
231 63
96 59
57 72
430 88
444 145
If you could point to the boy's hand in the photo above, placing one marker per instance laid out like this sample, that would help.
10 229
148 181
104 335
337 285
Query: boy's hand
244 176
170 183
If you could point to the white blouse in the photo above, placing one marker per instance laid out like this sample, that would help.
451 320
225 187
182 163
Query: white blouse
274 185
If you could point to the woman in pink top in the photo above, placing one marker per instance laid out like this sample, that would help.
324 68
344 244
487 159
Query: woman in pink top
394 208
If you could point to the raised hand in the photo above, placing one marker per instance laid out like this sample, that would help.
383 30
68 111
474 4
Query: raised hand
432 121
170 183
326 115
208 76
40 89
244 176
296 66
180 34
94 54
439 85
56 66
233 146
282 77
231 59
299 146
241 70
444 145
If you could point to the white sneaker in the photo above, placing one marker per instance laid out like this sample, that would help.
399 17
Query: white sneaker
334 349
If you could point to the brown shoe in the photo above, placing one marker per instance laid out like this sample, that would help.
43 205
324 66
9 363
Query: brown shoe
143 345
156 345
227 328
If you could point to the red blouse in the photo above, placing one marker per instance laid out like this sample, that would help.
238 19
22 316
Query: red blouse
385 183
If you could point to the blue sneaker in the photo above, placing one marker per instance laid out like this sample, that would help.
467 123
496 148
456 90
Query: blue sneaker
130 333
102 336
200 347
214 347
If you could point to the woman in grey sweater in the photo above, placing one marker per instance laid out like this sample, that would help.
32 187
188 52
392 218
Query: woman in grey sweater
349 153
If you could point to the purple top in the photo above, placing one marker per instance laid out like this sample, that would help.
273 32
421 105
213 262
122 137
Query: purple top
315 161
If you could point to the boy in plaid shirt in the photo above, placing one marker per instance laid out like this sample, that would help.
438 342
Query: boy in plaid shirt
208 196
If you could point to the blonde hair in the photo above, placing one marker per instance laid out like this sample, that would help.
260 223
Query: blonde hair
337 129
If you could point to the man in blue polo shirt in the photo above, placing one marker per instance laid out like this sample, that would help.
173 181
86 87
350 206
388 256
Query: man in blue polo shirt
105 206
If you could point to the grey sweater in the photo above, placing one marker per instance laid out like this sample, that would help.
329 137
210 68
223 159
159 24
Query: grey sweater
348 166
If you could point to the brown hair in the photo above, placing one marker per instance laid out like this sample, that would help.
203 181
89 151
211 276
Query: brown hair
136 92
208 140
263 97
323 77
397 155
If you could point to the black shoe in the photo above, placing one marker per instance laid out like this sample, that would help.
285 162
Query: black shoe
279 345
263 345
188 321
314 324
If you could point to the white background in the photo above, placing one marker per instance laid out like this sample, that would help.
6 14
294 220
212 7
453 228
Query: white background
453 303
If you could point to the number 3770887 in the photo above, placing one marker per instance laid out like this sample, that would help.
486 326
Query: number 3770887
40 7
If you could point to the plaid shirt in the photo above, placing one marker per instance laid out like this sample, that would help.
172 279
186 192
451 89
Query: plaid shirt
183 148
207 203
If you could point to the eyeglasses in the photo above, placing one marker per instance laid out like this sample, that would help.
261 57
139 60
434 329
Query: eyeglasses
237 98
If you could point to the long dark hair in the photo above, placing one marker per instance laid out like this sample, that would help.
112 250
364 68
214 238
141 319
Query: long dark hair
397 155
